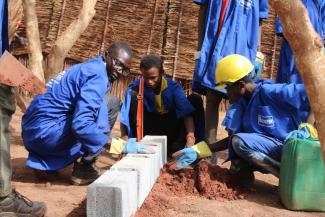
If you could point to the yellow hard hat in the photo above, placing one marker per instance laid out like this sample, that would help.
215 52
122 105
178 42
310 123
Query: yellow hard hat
231 69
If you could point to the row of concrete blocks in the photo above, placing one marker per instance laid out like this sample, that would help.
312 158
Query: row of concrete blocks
120 191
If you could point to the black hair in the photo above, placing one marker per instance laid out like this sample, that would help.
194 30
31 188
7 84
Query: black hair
116 46
150 61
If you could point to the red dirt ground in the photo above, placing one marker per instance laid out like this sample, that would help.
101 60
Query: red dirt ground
64 199
205 180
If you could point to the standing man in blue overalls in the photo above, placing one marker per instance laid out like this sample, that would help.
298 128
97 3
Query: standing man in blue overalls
287 71
225 27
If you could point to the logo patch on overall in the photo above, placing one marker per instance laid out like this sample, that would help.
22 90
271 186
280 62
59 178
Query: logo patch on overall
56 79
265 121
247 4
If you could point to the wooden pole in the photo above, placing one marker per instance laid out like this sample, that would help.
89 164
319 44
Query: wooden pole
102 46
152 26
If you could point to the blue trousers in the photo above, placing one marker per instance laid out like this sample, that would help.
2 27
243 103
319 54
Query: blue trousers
263 152
113 106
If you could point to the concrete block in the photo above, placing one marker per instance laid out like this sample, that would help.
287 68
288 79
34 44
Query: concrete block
145 171
114 194
153 165
158 156
157 147
123 189
162 140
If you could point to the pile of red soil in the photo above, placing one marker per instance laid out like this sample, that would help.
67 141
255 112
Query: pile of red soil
177 183
209 181
214 182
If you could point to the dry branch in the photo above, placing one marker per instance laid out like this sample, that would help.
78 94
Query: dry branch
307 47
68 38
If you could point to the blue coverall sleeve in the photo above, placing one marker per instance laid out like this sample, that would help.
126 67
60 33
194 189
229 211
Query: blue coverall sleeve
88 104
182 104
234 116
201 2
292 95
125 110
264 9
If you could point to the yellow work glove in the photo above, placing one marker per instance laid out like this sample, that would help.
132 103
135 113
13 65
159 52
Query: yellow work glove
311 129
117 146
202 149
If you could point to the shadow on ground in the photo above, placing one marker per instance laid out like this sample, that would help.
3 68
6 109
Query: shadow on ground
21 173
79 211
264 193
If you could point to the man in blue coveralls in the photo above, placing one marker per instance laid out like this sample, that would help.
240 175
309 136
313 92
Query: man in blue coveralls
225 27
71 119
260 118
167 111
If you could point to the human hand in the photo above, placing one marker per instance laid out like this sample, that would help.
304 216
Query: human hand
297 134
190 141
133 147
125 138
305 131
183 158
186 156
119 146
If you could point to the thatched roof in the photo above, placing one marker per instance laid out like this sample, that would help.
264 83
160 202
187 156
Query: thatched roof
163 27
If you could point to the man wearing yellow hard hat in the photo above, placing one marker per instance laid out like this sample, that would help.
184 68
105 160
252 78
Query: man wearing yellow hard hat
259 120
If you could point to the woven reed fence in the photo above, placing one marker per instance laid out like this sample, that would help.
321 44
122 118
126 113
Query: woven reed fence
162 27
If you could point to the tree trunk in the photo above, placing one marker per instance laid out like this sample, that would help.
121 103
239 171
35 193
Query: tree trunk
15 16
33 39
307 47
67 39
